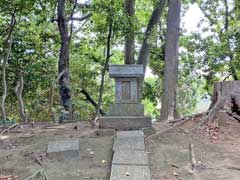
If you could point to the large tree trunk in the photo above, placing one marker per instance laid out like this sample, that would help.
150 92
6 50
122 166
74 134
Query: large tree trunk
18 91
225 102
129 38
168 110
144 53
63 64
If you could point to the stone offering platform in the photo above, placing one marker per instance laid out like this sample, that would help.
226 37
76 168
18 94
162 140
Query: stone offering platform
130 160
127 113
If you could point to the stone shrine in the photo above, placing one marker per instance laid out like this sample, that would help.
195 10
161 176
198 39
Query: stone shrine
127 113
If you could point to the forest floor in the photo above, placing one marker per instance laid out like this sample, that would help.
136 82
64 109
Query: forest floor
217 152
23 152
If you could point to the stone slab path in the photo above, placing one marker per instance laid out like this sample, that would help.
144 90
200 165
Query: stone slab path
130 160
64 148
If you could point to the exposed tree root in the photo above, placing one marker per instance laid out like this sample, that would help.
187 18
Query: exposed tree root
38 173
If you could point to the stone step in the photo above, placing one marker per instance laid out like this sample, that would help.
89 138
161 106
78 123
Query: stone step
130 157
130 172
63 149
123 134
129 143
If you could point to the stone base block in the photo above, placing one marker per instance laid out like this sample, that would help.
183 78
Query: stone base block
105 132
127 134
126 110
125 122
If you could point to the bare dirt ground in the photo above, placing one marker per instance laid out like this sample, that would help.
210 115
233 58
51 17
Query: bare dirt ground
217 153
23 152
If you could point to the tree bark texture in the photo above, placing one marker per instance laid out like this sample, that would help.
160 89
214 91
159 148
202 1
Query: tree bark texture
144 53
5 61
63 64
225 102
18 91
129 38
168 110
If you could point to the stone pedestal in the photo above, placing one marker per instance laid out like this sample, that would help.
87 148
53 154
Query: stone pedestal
127 113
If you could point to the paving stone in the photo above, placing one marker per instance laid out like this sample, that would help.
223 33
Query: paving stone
129 143
65 148
130 157
122 134
126 172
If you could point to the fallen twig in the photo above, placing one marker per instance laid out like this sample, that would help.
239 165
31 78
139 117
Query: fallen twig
233 168
8 177
38 172
192 157
160 132
38 161
187 118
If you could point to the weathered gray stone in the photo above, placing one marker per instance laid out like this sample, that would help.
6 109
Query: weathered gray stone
149 131
126 90
125 172
129 143
125 122
126 110
126 134
130 70
66 148
130 157
105 132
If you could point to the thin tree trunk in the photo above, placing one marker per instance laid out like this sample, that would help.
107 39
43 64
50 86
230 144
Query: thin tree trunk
5 61
101 90
18 91
63 64
4 94
51 98
129 38
237 9
143 57
168 110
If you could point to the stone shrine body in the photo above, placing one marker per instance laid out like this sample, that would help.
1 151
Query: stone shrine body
127 113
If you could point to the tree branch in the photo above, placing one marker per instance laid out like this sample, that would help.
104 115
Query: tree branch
210 19
90 99
81 18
